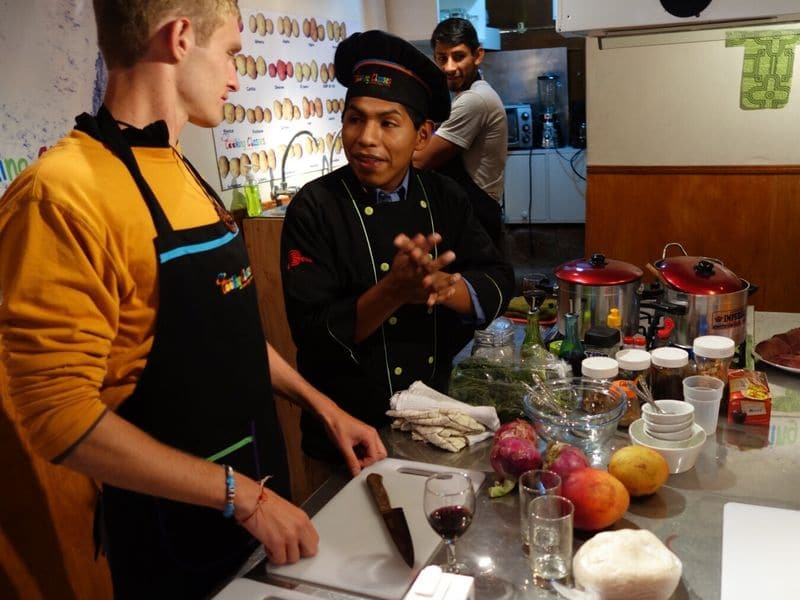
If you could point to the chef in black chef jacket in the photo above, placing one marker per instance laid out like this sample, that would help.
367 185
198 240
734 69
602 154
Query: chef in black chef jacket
386 270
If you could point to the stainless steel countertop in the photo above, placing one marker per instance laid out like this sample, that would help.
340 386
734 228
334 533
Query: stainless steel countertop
747 464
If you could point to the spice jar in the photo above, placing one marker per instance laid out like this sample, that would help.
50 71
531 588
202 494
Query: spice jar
712 356
601 341
633 364
669 366
599 368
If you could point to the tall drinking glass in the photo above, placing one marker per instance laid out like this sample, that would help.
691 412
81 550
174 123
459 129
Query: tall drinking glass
532 484
449 504
551 537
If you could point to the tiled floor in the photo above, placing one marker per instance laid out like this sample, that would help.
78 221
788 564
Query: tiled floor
541 248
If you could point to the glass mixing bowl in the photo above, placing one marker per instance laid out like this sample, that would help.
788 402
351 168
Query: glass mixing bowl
580 411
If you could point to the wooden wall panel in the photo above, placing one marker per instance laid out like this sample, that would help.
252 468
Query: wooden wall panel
749 217
262 237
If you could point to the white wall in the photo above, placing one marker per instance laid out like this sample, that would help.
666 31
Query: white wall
674 100
197 143
50 74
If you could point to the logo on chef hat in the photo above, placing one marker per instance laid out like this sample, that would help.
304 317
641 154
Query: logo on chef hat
375 79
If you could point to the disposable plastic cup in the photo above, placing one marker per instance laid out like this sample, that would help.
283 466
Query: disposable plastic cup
704 393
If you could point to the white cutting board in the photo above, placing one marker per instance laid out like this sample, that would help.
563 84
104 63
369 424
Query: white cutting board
760 548
356 553
247 589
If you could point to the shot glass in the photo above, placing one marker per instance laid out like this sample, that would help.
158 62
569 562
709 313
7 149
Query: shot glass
550 524
532 484
704 393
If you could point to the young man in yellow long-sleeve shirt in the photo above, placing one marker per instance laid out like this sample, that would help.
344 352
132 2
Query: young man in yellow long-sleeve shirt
129 328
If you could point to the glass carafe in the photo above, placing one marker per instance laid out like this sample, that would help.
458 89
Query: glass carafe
547 86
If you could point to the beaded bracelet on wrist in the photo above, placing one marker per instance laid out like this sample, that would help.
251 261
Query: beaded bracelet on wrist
230 492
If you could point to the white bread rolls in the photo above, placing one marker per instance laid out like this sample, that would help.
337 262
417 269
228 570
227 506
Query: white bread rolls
628 564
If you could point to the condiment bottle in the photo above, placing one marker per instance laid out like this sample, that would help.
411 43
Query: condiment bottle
571 348
614 320
669 366
712 356
633 365
252 194
600 340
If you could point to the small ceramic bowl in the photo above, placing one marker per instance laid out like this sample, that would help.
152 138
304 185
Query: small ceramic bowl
660 428
677 412
680 456
671 436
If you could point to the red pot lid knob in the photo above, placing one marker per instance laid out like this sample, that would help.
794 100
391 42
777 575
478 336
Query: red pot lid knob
598 270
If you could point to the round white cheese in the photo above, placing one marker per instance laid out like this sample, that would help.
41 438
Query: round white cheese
627 564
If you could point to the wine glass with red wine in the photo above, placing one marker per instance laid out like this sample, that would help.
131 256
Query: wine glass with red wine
449 504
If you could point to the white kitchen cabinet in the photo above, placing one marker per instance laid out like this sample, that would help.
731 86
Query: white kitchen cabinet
541 187
415 20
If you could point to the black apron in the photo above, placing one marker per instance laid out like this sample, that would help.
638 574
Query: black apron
205 390
486 208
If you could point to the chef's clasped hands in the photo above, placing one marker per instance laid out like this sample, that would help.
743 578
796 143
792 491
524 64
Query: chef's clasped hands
418 276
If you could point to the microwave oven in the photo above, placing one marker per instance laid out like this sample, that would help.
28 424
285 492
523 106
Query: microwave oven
520 125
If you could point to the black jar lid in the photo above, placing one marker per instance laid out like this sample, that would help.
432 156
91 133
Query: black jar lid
601 336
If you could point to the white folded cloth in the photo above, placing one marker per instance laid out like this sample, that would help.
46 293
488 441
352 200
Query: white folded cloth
435 418
422 397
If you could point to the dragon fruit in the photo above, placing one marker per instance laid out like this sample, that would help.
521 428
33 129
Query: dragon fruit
563 459
518 429
511 457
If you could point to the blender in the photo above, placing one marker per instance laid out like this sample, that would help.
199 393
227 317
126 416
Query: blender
547 85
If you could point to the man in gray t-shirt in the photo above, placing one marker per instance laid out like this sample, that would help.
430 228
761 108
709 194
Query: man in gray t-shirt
471 145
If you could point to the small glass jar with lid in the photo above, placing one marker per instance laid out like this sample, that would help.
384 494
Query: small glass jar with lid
712 356
598 368
633 364
669 366
495 343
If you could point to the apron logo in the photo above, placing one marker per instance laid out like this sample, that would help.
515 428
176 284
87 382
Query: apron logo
296 257
235 282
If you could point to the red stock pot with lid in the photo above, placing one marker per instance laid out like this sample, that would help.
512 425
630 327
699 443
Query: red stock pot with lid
715 298
593 286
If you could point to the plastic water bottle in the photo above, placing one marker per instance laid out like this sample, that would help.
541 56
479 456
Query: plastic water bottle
252 194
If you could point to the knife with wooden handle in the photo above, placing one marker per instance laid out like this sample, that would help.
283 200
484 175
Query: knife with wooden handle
394 518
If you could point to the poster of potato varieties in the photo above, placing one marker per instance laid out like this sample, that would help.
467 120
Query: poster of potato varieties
288 103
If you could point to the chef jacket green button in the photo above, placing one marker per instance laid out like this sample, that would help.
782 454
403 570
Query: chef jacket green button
430 360
393 321
423 204
398 370
384 267
368 211
430 310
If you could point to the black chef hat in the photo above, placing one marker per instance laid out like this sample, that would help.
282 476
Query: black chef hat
381 65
